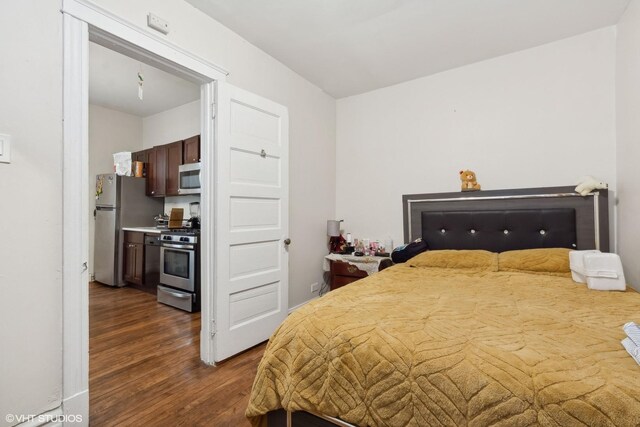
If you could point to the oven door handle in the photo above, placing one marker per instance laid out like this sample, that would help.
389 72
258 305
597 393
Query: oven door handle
185 248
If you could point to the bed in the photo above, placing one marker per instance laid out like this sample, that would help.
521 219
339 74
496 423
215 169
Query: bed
463 338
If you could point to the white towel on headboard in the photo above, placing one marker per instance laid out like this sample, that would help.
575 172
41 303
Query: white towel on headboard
633 331
632 349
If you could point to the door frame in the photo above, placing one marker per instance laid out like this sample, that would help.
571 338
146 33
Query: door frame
84 21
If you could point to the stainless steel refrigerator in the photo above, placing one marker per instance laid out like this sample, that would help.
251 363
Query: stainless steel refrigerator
120 202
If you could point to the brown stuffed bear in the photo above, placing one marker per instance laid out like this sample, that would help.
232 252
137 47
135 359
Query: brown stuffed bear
469 182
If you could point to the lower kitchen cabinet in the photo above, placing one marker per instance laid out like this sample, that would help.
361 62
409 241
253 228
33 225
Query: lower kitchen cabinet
133 269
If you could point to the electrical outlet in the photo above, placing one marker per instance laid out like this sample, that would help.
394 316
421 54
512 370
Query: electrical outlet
157 23
314 287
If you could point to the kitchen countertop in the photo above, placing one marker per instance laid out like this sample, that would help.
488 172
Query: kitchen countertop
148 230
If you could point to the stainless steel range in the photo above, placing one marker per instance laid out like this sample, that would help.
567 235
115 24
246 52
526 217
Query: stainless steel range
180 269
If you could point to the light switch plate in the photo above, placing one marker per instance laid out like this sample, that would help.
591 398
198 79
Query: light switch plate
5 148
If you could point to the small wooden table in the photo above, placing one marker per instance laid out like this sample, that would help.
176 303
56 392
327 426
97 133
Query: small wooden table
345 269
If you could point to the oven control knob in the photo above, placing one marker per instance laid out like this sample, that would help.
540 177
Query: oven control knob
184 239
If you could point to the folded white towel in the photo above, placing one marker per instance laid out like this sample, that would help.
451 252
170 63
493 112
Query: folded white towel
632 349
576 263
633 331
601 271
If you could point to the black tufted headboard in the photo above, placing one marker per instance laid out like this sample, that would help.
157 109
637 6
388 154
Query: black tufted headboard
499 231
566 218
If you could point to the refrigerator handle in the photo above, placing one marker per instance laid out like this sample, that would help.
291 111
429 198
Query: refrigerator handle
95 212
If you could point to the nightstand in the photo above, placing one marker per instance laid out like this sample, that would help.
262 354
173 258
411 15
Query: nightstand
345 269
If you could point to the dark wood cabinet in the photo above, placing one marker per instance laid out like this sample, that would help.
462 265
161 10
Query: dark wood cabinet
133 271
174 160
191 150
343 273
157 171
162 163
142 156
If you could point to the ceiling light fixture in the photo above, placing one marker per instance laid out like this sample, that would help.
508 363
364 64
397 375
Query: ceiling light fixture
140 83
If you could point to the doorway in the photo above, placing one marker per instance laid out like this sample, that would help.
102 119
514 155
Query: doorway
139 319
245 164
82 23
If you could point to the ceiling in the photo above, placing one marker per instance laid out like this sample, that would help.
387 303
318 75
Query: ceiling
348 47
113 83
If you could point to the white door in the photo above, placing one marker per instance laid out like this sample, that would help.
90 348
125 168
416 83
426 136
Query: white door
251 219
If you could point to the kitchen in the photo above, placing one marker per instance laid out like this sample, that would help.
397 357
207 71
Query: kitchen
144 150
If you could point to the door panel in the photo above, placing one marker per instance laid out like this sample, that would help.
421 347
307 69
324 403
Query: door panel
254 127
254 213
253 169
252 304
252 199
254 258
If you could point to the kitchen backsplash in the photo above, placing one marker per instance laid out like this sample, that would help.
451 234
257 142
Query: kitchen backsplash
180 202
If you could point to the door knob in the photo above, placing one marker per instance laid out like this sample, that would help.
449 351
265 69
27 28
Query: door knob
287 241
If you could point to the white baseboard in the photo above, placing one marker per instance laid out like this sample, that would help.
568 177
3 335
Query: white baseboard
47 418
77 406
295 307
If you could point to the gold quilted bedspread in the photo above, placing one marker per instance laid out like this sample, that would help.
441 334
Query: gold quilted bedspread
431 347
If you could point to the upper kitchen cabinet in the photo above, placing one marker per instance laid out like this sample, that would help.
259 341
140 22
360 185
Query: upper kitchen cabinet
192 150
142 156
157 171
162 165
174 160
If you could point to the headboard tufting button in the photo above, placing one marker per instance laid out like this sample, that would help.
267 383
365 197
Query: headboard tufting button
543 232
442 231
506 231
472 231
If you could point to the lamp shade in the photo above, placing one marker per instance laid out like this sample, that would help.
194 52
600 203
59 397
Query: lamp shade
333 227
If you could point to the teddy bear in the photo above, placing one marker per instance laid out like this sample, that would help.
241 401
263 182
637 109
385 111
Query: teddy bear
588 183
469 182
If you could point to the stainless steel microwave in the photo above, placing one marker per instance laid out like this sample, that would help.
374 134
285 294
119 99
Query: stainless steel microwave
189 178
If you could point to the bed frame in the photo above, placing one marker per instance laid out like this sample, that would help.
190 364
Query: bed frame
591 216
497 220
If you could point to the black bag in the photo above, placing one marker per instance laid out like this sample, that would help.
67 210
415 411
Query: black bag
406 252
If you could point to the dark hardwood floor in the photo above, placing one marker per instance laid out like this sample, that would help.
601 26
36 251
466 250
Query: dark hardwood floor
145 368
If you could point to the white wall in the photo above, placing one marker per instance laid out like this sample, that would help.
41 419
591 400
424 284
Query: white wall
110 131
628 133
540 117
31 111
311 128
172 125
31 214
